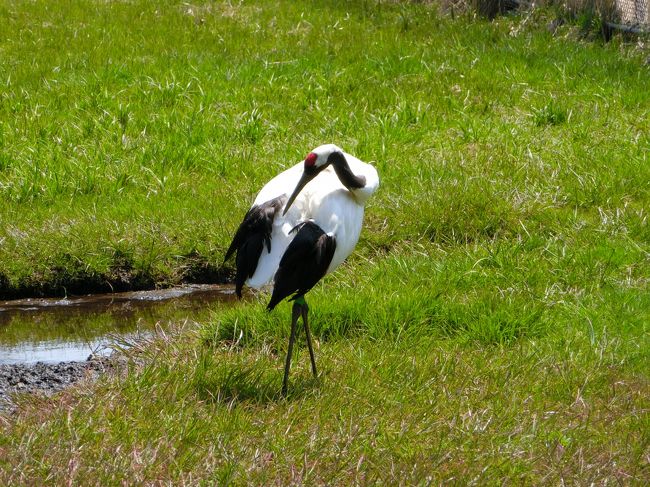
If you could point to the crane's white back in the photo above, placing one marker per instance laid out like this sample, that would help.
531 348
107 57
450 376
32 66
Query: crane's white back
337 210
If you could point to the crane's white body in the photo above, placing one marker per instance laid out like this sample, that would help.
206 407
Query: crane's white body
326 202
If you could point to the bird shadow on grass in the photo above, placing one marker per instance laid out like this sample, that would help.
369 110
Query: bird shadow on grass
254 383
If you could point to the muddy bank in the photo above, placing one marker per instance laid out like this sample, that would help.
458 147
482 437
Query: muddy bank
77 280
43 378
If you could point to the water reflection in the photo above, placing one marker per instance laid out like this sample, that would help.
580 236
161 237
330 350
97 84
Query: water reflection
55 330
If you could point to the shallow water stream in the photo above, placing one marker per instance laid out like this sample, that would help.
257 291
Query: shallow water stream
71 329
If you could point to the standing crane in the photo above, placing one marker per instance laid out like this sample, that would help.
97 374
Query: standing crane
302 225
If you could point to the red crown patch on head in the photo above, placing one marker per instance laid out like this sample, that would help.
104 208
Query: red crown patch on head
310 160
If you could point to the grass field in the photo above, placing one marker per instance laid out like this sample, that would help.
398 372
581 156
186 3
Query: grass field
493 324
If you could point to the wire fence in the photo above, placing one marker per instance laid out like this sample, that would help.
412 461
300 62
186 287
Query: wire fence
623 15
634 13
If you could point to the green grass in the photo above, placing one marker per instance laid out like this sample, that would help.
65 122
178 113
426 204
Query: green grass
492 325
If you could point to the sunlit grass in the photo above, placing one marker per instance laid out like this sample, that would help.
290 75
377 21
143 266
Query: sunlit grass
492 324
129 156
406 409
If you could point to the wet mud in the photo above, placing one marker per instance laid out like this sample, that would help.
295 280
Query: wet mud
43 378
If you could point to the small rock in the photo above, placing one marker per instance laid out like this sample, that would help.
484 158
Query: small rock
554 25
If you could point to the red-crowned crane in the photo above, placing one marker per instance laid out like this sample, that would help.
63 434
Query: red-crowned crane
302 226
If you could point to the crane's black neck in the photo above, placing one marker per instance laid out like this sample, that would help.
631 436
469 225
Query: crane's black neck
344 173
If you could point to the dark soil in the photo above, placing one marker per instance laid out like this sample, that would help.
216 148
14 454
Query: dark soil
46 378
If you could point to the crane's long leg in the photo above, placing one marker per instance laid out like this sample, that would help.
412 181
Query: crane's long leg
295 314
305 311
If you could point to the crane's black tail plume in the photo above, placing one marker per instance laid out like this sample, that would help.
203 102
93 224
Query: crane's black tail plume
304 262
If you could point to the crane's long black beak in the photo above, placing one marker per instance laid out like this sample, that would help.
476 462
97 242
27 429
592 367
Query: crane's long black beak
306 177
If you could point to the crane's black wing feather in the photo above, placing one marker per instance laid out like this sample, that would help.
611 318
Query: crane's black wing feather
250 238
304 262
